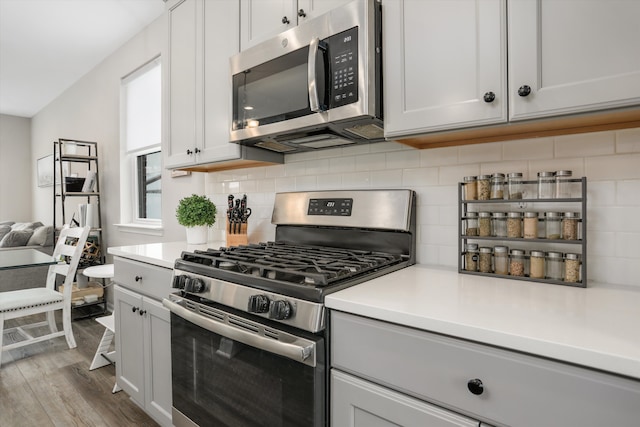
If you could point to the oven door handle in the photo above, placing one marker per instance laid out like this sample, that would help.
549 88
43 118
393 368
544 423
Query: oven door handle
296 348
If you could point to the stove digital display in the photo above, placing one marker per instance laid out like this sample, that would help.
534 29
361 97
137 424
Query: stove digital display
331 207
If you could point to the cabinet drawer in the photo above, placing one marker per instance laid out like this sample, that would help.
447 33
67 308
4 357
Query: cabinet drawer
143 278
518 389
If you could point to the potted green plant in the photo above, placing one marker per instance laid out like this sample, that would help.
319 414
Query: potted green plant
196 213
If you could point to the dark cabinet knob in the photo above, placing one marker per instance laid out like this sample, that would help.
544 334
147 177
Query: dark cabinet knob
475 386
142 312
197 150
524 90
301 13
189 152
280 310
138 278
285 20
489 97
134 309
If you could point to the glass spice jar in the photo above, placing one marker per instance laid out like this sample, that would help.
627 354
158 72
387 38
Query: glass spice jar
484 187
555 265
471 257
570 225
530 225
470 188
484 224
501 260
563 184
499 224
536 265
546 185
514 185
572 268
484 260
471 224
497 186
514 224
516 262
552 224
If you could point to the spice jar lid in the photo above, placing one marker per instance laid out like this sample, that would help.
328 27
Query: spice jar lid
514 214
472 214
469 178
572 214
515 175
554 255
497 175
501 249
499 215
531 214
517 252
572 256
484 177
546 174
553 214
563 173
485 250
485 214
538 254
472 247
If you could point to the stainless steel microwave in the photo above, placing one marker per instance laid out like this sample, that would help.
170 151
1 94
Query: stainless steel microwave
318 85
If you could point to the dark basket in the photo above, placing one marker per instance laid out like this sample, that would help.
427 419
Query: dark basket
73 184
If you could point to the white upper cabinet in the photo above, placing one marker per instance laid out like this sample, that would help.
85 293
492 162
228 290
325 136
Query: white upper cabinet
574 56
202 37
261 19
444 64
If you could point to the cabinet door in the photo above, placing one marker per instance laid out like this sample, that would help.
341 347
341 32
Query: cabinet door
182 85
575 56
221 22
440 60
157 347
261 19
129 347
358 403
309 9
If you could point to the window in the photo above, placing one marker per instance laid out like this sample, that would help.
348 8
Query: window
141 158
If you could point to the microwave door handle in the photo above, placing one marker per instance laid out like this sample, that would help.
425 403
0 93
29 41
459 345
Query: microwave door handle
314 97
298 349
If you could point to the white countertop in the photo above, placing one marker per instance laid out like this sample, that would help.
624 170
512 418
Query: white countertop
160 254
597 327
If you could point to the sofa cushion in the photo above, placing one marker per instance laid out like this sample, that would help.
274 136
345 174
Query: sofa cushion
42 236
16 238
9 223
4 230
19 226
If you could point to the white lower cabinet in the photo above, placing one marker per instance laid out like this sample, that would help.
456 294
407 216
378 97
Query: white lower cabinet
385 374
143 338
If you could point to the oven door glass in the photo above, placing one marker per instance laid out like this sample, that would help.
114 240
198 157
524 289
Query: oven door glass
219 381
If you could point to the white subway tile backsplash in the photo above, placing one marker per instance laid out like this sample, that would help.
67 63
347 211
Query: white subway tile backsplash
613 204
585 144
628 141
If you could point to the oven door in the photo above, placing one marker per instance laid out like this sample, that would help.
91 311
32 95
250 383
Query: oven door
228 370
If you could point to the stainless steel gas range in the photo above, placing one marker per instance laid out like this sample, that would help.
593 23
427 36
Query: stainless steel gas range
249 333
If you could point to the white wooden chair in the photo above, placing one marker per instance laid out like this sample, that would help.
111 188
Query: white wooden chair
46 299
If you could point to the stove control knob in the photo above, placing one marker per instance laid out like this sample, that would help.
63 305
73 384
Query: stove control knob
280 310
194 285
179 281
258 304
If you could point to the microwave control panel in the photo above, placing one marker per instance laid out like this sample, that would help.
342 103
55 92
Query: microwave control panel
331 207
343 57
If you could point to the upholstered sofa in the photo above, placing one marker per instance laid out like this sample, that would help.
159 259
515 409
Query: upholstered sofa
23 235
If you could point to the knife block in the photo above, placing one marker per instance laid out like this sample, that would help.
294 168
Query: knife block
237 239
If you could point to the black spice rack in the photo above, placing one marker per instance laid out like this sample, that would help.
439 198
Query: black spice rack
541 244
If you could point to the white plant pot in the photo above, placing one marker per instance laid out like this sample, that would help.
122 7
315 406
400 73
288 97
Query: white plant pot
197 235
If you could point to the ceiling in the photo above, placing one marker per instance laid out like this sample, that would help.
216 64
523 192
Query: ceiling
47 45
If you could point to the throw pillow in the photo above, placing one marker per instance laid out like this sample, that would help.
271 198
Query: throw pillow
20 226
4 230
41 236
16 238
9 223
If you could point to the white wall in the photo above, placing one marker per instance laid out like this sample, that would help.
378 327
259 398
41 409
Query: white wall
16 165
90 110
609 160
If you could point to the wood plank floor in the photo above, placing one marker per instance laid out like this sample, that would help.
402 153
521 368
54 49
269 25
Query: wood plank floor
48 384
